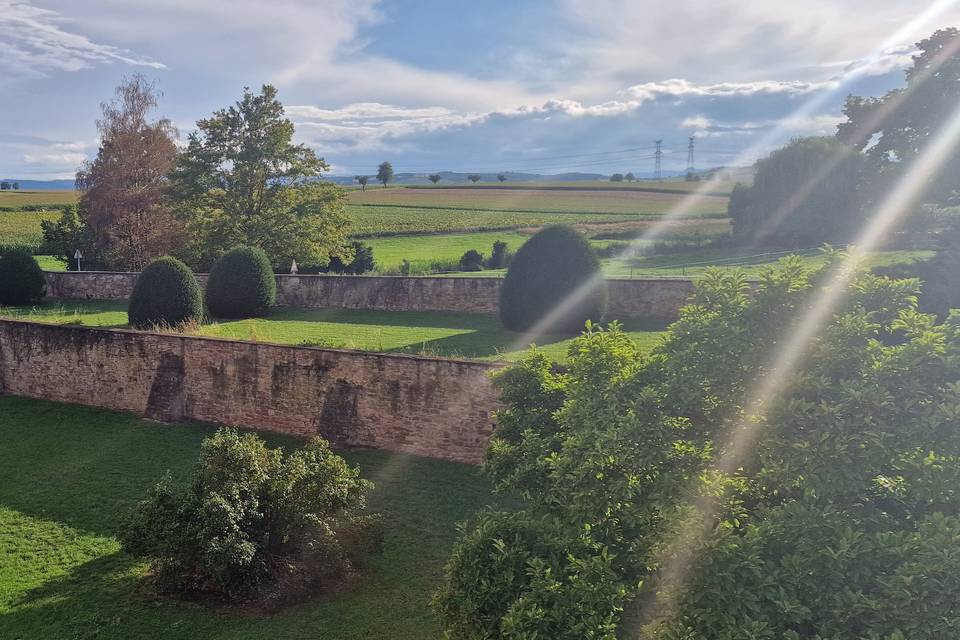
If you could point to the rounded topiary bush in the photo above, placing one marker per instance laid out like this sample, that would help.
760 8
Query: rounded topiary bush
21 280
241 284
166 293
548 269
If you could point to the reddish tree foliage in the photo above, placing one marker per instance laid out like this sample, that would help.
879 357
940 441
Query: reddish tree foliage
123 199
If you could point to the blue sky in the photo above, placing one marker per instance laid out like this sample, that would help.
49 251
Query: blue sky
470 86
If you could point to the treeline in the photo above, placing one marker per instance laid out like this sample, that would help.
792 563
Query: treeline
239 180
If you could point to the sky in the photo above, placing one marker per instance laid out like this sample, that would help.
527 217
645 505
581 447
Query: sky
543 86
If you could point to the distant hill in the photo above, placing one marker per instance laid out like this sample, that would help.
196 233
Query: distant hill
42 185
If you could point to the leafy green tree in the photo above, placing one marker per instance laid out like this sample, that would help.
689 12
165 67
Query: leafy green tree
629 177
63 236
242 181
838 522
362 181
434 178
21 280
617 177
791 203
385 173
891 130
474 178
471 260
502 177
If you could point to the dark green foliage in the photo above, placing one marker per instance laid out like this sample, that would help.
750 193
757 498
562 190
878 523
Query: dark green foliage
471 260
166 293
617 177
62 238
837 520
803 195
21 280
546 270
500 257
362 262
255 522
385 173
241 284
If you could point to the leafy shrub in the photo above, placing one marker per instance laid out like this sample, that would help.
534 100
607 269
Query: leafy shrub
166 293
255 522
241 284
547 269
472 260
837 521
500 256
62 238
362 262
21 280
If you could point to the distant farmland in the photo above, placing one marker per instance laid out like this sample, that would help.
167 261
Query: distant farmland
25 198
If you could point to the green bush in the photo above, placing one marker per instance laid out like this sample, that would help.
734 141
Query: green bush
255 522
831 513
166 293
471 260
241 284
21 280
545 272
500 256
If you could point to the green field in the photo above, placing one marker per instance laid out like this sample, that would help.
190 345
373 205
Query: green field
23 198
680 186
70 474
471 336
23 227
425 250
527 199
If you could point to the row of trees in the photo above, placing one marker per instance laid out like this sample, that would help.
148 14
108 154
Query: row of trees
7 185
817 190
240 180
385 175
620 177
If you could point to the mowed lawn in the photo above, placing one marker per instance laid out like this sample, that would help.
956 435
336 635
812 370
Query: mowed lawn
70 474
424 250
520 199
472 336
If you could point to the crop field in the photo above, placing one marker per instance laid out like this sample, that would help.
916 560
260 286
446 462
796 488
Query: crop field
23 227
70 474
24 198
679 186
542 200
473 336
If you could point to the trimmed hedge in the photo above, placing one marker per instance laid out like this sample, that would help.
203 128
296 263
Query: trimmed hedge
21 279
166 293
241 284
546 271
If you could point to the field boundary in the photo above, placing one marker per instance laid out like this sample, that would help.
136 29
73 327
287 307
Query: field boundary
720 194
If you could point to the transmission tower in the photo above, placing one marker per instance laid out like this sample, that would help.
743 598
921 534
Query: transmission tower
690 156
657 159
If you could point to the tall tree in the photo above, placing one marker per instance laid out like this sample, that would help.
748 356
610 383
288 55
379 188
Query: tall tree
362 181
385 173
434 178
893 129
242 180
502 177
122 198
474 178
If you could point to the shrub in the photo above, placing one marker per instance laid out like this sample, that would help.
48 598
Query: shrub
500 256
472 260
241 284
362 261
166 293
255 522
837 520
546 270
21 280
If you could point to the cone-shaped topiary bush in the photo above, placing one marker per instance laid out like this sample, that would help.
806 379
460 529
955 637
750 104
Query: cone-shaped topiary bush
546 271
21 280
241 284
166 293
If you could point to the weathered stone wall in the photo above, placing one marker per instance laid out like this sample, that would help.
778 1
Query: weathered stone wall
658 298
426 406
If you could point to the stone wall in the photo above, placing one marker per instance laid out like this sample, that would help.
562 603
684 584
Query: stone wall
426 406
658 298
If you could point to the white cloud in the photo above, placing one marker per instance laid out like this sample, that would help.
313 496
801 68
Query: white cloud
677 87
32 42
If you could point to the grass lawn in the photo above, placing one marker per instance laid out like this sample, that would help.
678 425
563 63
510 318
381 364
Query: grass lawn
69 475
422 251
433 334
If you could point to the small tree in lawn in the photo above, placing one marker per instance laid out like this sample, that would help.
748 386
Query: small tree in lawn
434 178
502 177
474 178
385 173
362 181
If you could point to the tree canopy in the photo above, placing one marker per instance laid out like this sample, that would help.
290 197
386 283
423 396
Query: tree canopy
385 173
242 181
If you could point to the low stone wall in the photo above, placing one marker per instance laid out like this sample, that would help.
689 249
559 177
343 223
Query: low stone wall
426 406
659 298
